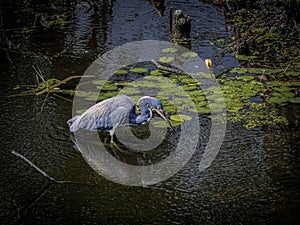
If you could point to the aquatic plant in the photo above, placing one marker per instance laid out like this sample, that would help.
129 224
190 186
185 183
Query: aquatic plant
139 70
166 59
169 50
121 72
189 54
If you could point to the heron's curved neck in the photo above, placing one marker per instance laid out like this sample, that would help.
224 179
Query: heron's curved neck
146 113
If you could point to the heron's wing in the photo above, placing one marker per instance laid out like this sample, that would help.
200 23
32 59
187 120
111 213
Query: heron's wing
108 114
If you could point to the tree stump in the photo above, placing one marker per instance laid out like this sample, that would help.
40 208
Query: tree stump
180 27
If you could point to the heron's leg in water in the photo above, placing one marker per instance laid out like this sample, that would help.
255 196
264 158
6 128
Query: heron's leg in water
111 132
105 140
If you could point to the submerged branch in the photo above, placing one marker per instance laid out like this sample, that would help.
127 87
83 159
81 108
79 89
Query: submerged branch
43 173
173 70
51 87
169 69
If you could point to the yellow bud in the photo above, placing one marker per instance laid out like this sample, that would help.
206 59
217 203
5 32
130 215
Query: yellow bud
208 63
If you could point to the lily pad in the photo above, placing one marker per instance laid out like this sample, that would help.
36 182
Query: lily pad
200 104
108 87
180 117
157 72
295 100
139 70
295 83
189 54
278 100
234 109
282 88
277 83
121 72
169 50
100 82
203 110
165 59
196 93
246 78
163 124
284 94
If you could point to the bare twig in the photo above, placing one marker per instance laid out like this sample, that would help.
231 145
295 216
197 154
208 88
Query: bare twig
44 174
287 66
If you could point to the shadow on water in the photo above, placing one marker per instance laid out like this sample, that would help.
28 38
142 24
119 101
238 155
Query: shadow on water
253 179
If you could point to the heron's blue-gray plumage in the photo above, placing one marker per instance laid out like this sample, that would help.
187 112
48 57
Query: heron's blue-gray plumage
114 112
105 115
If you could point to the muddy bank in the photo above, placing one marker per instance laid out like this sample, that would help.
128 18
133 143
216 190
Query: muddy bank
264 32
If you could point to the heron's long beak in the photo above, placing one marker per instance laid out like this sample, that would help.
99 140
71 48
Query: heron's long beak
163 115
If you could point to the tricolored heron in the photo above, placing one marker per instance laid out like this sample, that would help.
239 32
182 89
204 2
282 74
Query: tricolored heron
111 113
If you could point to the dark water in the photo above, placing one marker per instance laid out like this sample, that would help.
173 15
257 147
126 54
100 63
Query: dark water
253 180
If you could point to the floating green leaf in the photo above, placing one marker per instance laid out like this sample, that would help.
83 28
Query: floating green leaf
108 87
139 70
278 100
276 83
284 94
295 83
203 110
282 88
121 72
295 100
165 59
100 82
180 117
163 124
189 54
196 93
158 72
169 50
246 78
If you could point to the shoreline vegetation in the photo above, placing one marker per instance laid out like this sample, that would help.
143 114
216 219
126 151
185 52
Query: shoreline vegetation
265 33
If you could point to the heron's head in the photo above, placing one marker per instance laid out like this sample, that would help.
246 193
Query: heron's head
156 105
